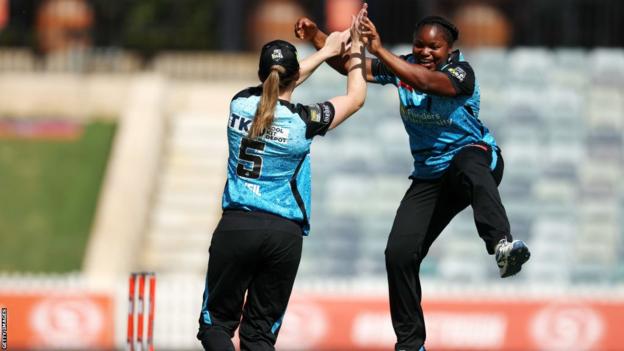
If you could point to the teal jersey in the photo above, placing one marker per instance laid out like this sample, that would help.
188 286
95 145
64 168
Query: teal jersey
439 126
272 173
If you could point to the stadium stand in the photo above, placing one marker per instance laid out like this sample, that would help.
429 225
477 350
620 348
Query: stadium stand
191 176
557 114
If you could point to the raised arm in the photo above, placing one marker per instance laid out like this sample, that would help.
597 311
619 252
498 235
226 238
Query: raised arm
333 45
348 104
417 76
306 29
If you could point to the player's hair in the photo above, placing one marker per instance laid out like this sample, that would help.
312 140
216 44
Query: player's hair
266 107
451 33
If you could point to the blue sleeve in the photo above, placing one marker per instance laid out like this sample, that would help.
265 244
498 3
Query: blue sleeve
381 73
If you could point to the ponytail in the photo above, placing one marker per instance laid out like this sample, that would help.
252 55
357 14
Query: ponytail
266 107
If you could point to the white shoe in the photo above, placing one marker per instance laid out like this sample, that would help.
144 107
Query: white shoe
510 256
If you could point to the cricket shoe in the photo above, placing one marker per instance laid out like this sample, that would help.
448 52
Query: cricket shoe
510 256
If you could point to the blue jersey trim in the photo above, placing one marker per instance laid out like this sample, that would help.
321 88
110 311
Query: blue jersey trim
205 314
206 317
494 159
277 324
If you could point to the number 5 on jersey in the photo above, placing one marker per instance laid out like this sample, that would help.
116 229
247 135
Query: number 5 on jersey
252 160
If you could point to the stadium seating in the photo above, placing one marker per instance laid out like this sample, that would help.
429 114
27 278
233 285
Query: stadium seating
184 212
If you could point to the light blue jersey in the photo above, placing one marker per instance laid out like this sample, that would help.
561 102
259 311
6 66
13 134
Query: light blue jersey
272 173
439 126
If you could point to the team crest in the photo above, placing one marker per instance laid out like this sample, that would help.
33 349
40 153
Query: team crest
277 55
315 114
320 113
458 73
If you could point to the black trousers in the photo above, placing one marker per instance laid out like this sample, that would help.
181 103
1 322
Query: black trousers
257 254
426 209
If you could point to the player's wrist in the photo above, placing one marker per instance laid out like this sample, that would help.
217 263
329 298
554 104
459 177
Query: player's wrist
318 39
327 52
378 50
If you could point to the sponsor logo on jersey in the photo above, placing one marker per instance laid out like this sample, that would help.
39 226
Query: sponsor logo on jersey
326 113
458 73
320 113
254 188
424 118
240 123
277 134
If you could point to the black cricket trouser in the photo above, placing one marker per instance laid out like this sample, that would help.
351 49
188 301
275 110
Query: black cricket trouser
425 210
258 254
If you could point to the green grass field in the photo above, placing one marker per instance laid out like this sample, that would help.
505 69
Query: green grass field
48 195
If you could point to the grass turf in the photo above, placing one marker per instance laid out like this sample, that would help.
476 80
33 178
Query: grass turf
48 195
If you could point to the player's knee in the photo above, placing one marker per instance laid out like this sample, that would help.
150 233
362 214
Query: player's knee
401 255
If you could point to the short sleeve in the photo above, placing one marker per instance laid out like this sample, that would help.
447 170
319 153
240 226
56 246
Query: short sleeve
462 76
381 72
317 117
